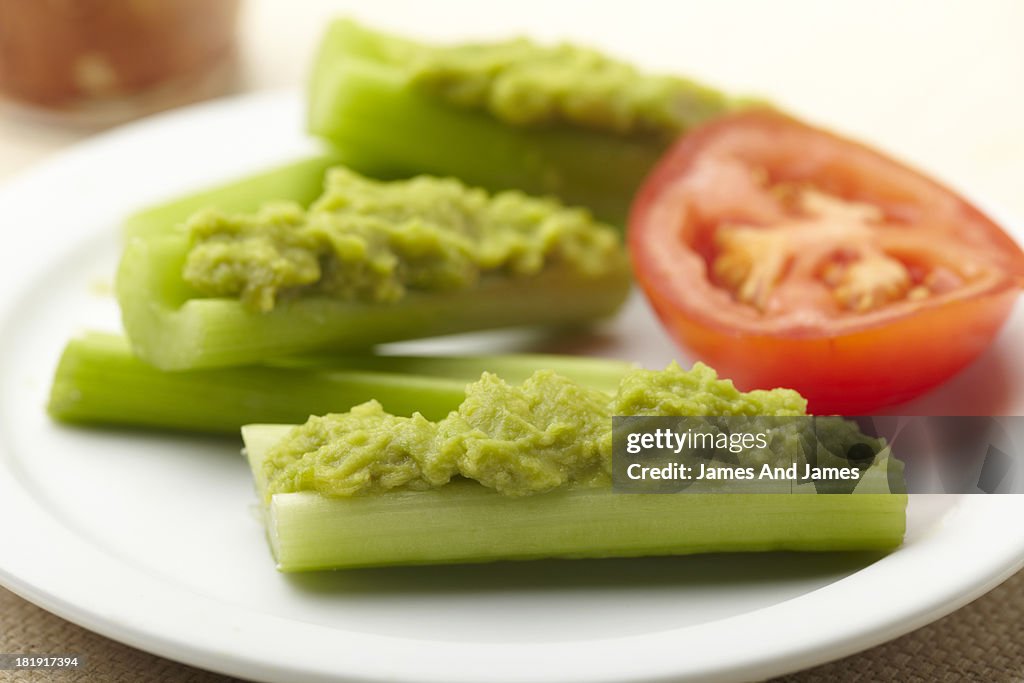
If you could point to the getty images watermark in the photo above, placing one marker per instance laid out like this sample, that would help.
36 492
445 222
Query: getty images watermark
742 454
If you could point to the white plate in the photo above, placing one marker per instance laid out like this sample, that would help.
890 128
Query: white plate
151 539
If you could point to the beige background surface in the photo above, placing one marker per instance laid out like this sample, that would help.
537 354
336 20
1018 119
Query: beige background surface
940 84
981 642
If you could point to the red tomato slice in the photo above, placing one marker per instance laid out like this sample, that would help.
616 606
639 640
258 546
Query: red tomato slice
784 255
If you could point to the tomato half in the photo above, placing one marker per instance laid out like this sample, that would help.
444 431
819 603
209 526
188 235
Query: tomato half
784 255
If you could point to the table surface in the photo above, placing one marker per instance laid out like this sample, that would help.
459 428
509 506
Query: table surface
939 84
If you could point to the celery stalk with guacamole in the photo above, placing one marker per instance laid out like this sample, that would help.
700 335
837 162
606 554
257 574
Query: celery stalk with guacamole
546 119
524 471
300 181
368 262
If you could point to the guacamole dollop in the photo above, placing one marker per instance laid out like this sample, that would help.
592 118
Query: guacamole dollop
547 433
369 240
523 83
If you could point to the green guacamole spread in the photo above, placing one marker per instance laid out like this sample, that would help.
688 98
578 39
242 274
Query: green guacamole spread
547 433
523 83
368 240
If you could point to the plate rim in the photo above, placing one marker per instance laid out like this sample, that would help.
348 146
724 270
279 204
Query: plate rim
30 570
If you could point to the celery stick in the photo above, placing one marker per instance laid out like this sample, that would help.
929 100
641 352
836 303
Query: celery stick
466 522
299 181
173 331
598 373
374 115
363 98
175 327
100 381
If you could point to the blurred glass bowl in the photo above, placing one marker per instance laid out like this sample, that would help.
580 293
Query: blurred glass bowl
100 62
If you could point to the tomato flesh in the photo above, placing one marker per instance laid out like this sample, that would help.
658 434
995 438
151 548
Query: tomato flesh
784 255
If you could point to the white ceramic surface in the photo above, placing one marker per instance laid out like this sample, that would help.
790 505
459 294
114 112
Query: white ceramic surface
151 539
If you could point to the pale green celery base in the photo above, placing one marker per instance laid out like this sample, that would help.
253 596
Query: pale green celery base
172 330
365 106
465 522
100 381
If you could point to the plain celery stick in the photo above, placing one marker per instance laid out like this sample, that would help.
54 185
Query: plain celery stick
598 373
100 381
173 328
298 181
466 522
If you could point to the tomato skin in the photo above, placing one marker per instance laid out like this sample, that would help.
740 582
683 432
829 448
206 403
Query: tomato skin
855 373
853 365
